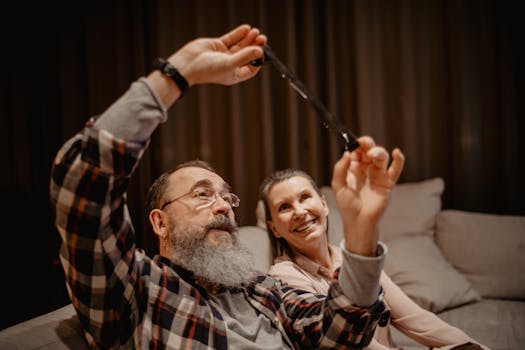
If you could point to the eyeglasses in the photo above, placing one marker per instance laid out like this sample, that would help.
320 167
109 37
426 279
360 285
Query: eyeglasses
206 197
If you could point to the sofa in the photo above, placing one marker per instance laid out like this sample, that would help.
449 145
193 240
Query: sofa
467 267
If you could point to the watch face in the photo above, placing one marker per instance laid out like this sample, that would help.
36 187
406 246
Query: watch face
170 70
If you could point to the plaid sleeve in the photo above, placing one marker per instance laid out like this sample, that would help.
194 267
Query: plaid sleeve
332 322
350 326
89 177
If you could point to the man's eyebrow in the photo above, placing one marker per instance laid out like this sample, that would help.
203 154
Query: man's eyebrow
208 183
200 183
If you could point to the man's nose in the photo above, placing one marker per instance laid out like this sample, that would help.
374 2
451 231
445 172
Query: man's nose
220 205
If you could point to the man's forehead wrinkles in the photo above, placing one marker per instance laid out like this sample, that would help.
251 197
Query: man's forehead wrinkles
190 178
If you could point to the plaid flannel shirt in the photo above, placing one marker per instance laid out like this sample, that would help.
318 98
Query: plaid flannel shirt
124 299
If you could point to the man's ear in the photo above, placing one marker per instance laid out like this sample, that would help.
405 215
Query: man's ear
159 223
271 226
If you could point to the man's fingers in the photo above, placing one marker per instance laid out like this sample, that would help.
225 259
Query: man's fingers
234 36
246 55
240 61
249 39
261 40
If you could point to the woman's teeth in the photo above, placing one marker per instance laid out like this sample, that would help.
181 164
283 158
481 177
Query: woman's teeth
305 226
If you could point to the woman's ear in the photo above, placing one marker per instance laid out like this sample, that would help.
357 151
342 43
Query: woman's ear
325 205
159 223
271 226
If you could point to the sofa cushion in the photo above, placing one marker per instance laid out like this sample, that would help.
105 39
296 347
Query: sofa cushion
498 324
473 242
418 267
412 209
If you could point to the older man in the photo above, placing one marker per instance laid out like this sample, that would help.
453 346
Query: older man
201 291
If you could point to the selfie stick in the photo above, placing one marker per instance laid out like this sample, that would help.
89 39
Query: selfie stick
328 119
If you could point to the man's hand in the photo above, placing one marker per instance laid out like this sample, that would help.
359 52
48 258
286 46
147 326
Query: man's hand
224 60
362 183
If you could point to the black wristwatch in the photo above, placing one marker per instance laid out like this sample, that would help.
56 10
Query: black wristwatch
168 69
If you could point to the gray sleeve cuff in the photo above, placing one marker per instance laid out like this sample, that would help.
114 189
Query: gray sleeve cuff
135 115
359 275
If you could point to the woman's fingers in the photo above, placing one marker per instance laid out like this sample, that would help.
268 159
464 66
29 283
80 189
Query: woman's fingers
368 159
340 170
397 165
378 156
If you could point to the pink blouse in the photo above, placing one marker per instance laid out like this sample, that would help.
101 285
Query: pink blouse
417 323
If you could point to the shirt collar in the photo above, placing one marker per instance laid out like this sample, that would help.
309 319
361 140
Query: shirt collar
314 267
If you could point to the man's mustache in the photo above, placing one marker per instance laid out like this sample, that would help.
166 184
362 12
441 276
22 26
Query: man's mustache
222 222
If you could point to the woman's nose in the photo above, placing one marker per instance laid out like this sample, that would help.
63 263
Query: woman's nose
299 210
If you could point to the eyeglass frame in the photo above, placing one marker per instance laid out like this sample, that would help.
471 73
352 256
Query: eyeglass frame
234 203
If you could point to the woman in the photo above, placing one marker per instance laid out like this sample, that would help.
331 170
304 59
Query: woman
297 222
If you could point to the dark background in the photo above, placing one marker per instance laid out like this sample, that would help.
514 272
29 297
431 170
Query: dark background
447 89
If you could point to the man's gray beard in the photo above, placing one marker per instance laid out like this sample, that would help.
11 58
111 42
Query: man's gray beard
228 266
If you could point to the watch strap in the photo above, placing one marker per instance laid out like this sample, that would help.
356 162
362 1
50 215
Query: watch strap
169 70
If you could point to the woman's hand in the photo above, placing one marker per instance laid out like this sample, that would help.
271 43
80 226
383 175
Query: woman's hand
362 182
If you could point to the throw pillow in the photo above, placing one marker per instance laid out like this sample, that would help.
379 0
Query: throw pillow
489 249
412 209
418 267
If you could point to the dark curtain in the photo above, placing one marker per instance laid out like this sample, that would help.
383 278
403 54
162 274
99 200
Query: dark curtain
439 79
